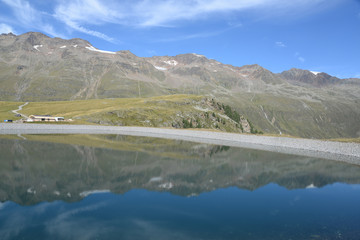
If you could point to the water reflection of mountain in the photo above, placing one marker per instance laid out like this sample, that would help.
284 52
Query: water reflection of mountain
35 171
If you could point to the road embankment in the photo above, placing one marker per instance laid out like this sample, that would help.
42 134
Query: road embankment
339 151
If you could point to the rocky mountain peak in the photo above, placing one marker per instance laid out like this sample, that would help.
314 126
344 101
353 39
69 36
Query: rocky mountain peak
301 76
190 58
10 34
127 53
33 38
256 72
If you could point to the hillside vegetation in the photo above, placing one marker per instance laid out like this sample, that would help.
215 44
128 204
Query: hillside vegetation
178 111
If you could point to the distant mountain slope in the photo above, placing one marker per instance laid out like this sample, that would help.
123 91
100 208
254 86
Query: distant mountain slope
316 79
35 67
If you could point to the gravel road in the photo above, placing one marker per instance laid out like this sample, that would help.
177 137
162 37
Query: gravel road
347 152
20 108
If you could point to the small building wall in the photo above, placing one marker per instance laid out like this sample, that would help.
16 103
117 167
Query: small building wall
40 118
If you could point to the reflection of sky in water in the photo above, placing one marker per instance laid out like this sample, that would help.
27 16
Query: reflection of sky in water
152 183
270 212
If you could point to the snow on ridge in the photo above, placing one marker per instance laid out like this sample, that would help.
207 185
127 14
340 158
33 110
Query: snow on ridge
37 46
160 68
91 48
315 73
75 46
63 47
198 55
171 62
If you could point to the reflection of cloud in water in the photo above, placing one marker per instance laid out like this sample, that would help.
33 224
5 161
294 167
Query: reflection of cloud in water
17 221
85 228
65 226
41 208
154 230
14 224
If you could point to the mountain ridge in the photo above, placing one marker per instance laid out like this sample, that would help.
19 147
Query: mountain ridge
33 39
35 67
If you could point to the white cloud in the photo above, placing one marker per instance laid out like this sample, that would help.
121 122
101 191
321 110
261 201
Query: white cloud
29 17
280 44
76 14
166 13
79 28
84 15
22 10
163 13
196 35
4 28
301 59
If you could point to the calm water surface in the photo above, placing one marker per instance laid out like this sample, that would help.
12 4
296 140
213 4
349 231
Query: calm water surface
119 187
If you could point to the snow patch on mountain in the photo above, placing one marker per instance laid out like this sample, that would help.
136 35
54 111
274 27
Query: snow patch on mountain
37 46
315 73
91 48
160 68
198 55
63 47
171 62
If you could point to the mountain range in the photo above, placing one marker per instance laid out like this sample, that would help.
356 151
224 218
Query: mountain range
35 67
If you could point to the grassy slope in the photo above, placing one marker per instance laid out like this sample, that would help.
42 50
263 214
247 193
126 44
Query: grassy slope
298 117
163 111
5 110
73 109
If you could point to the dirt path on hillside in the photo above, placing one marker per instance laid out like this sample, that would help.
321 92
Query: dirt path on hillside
20 108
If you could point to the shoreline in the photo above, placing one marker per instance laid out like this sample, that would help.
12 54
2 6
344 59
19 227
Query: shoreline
338 151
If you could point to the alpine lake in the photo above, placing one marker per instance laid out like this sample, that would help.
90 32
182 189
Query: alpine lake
124 187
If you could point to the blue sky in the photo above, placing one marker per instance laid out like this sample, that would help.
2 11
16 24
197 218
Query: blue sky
319 35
